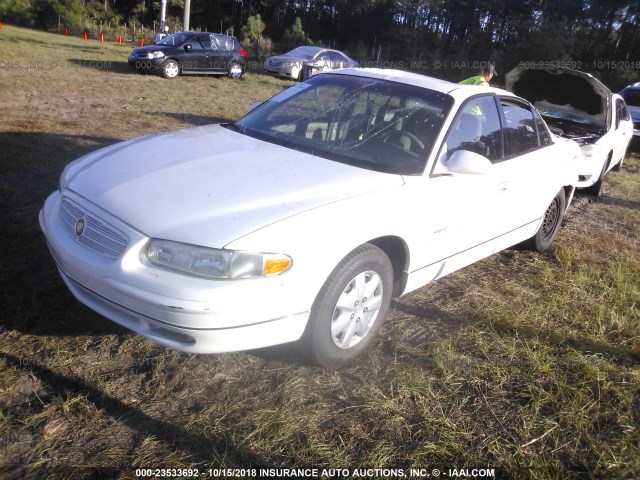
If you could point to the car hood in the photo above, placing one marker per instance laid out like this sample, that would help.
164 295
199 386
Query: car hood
151 48
211 185
563 90
288 58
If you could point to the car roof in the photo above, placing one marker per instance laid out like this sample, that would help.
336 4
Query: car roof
192 34
307 48
416 79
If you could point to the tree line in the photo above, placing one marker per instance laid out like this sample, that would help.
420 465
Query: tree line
444 38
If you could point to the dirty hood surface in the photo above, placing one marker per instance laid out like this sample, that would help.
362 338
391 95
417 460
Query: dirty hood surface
210 185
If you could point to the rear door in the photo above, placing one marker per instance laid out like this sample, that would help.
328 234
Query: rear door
523 173
622 129
222 52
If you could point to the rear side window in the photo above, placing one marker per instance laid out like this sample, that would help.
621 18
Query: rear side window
521 128
224 43
621 112
543 131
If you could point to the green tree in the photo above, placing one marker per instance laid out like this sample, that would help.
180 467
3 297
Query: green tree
16 11
296 36
252 32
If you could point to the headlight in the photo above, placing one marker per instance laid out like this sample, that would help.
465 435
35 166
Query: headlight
155 55
592 151
215 263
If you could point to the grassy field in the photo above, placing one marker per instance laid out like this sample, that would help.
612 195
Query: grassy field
526 365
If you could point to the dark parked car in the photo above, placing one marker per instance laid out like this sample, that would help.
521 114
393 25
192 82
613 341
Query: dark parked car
631 95
185 53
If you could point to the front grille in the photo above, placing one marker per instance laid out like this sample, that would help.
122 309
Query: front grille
98 235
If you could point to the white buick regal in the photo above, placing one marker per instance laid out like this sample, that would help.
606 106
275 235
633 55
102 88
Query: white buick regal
303 219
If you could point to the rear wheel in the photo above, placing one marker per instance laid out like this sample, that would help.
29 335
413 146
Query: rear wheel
235 70
551 221
349 309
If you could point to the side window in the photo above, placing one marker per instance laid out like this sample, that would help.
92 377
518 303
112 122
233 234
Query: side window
621 112
336 59
214 43
477 129
543 131
521 128
204 41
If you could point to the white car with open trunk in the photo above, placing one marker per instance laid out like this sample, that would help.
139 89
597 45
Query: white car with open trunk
577 106
301 221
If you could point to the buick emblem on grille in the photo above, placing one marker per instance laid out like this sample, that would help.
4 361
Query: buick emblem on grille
80 227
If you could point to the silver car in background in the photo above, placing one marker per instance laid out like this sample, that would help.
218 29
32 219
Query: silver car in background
302 62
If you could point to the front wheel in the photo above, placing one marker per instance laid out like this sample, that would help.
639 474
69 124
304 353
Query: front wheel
596 188
551 221
349 309
170 69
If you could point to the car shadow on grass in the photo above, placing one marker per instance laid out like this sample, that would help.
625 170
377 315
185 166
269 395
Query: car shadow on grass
99 64
616 354
33 297
199 448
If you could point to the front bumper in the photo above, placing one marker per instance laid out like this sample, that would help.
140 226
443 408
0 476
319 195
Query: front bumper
145 63
185 313
289 70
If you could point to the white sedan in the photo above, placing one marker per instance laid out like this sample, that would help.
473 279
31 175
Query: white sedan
303 219
576 105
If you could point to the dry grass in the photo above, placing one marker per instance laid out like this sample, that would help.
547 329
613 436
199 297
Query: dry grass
525 363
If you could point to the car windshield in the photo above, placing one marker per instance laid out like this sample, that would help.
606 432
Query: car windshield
559 116
631 97
174 39
375 124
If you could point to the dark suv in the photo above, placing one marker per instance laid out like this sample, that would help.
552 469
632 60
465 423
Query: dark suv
191 53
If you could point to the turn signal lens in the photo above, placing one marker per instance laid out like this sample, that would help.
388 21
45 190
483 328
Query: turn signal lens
276 264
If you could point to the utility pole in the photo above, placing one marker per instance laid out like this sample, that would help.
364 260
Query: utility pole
163 15
187 12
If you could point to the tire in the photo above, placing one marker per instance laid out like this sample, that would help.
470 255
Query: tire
596 188
349 309
170 69
551 221
235 71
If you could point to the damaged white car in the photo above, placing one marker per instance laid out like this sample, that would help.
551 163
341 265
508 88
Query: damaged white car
303 219
578 106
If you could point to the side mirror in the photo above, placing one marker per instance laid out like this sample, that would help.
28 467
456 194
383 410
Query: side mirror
187 47
464 161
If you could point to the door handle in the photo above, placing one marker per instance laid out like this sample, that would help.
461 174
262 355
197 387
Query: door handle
503 186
